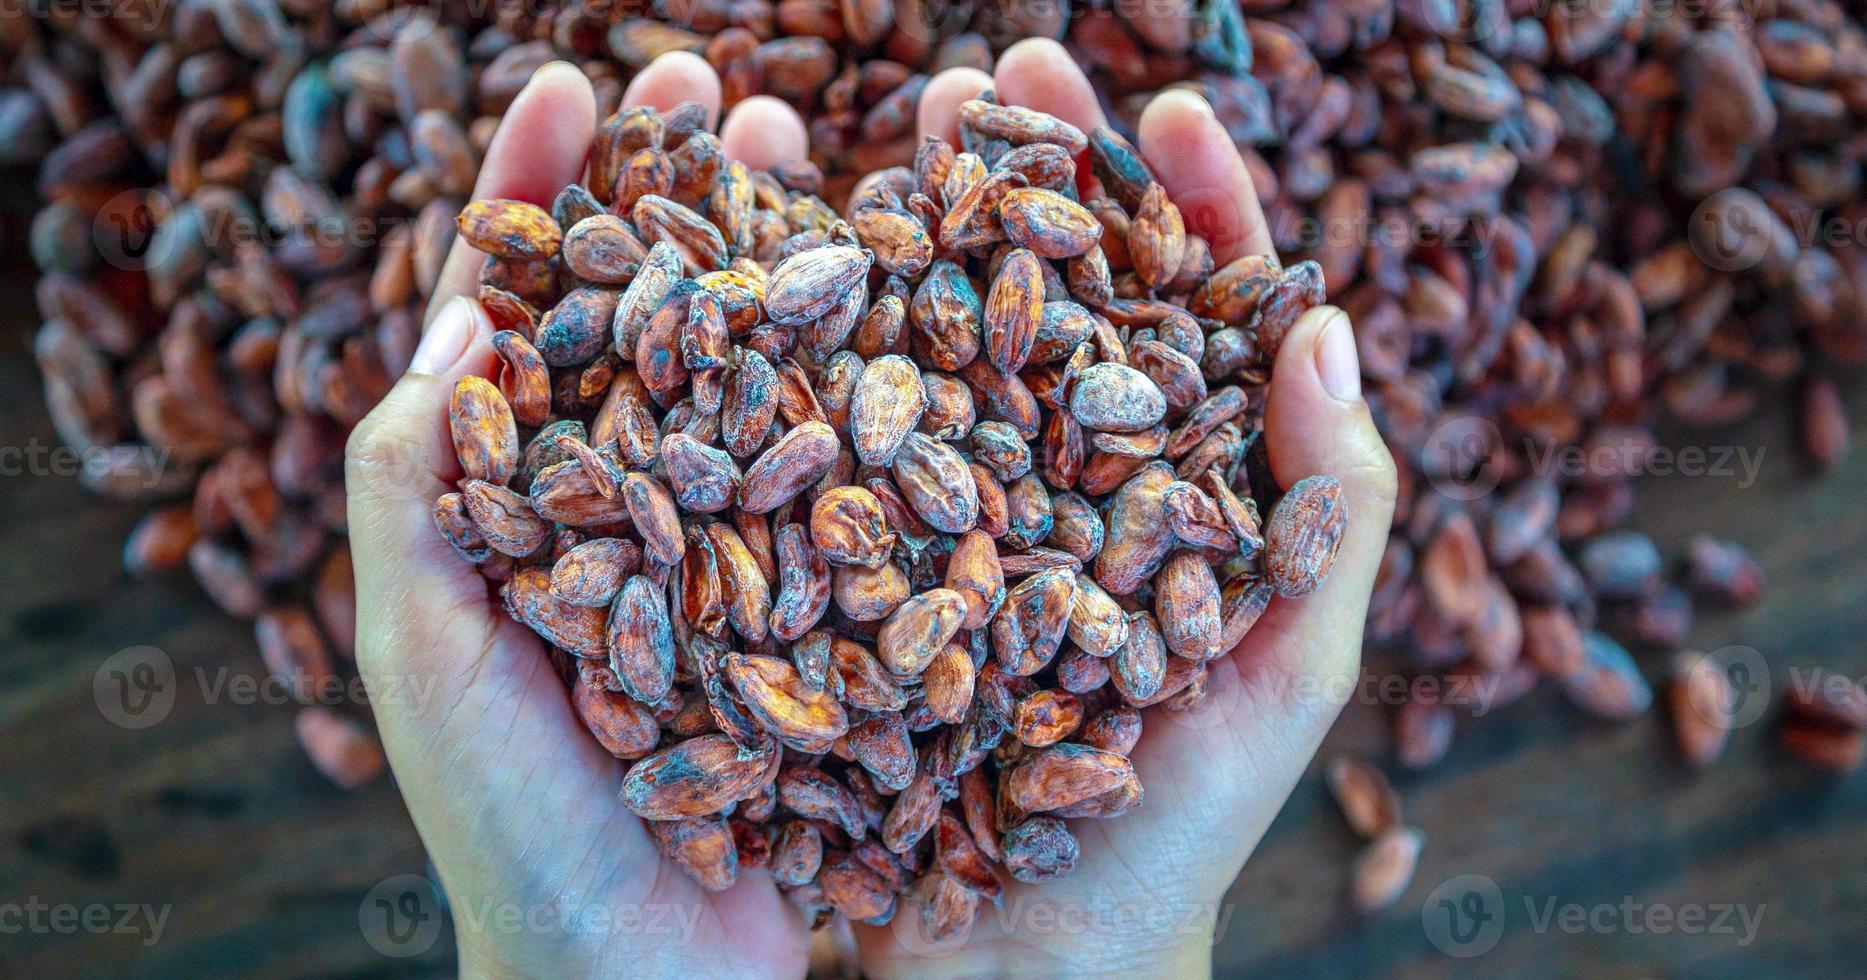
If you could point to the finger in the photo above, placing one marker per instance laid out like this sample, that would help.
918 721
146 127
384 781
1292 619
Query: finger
1316 423
1038 73
457 684
938 114
399 459
1269 703
540 147
674 78
762 132
1194 158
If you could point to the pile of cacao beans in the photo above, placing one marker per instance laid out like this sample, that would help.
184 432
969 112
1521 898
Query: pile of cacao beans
717 398
1554 226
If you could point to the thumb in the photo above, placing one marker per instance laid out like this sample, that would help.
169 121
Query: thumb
1269 703
400 458
1317 424
485 746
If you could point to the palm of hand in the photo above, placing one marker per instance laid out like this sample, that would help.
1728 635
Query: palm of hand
519 808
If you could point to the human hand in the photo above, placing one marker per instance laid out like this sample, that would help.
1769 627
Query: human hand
496 767
1145 895
516 804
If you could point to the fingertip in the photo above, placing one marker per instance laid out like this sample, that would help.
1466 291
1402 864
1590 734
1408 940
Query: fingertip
1038 73
562 76
447 337
762 132
1319 354
460 275
1338 363
1177 107
938 114
1311 430
543 139
1195 159
1296 373
1316 421
456 343
673 78
401 456
540 146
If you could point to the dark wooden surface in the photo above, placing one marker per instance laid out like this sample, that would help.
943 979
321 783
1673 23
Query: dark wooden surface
261 864
1559 808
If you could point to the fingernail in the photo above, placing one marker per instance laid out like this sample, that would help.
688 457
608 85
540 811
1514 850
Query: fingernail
1337 363
445 339
551 67
1199 102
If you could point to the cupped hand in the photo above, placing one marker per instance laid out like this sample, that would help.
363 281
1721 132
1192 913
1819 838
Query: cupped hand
1145 896
518 806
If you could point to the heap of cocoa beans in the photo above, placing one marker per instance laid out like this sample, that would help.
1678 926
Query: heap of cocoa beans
1554 225
866 541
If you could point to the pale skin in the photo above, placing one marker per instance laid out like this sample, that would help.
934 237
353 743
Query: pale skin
516 803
